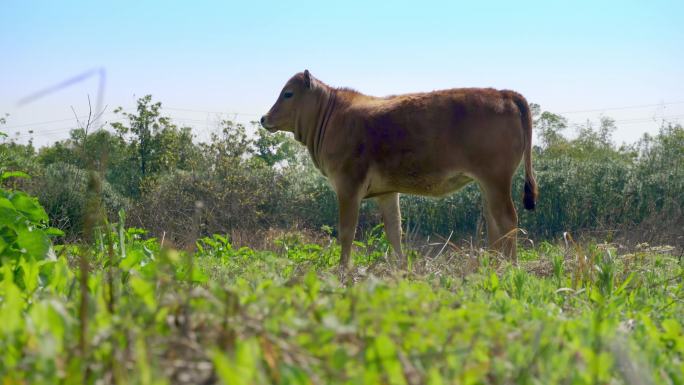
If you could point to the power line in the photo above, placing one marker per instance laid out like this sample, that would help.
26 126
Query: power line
211 112
621 108
53 131
637 120
49 122
174 118
253 114
206 122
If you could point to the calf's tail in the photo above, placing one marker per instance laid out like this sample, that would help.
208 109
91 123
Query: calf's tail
531 193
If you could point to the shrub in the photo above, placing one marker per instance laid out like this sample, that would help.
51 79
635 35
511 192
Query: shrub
62 191
23 226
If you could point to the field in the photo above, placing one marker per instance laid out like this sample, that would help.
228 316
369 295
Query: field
138 255
125 310
171 205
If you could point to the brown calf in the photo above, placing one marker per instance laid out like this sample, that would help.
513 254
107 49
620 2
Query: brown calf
425 143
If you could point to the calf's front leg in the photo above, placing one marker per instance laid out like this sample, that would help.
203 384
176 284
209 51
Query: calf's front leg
349 216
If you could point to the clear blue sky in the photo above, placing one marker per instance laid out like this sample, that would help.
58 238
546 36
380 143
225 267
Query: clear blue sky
235 56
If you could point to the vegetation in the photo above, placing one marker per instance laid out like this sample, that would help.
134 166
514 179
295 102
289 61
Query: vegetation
93 301
149 315
23 224
250 184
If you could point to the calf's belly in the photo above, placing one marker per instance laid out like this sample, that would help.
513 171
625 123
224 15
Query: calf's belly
435 184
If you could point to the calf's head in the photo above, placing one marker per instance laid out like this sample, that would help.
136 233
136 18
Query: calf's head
296 104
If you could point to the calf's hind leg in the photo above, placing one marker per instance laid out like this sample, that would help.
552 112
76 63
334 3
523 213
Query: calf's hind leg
502 220
391 217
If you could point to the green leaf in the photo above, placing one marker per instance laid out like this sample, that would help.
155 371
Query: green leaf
33 242
14 174
144 290
624 283
143 365
12 305
243 367
31 269
29 207
433 377
50 317
54 232
595 295
672 328
7 238
8 214
493 281
198 276
387 354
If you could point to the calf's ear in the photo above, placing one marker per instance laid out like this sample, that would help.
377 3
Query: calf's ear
307 79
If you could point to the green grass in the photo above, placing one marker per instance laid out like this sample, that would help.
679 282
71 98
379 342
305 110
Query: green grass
575 315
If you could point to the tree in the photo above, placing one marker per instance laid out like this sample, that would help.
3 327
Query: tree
275 148
15 156
550 127
231 142
601 138
142 126
156 144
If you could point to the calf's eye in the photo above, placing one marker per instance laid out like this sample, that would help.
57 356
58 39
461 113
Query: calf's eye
287 94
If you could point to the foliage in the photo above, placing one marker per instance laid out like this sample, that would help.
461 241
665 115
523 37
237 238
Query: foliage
62 191
24 233
126 308
250 180
155 143
237 315
275 148
99 150
17 157
657 182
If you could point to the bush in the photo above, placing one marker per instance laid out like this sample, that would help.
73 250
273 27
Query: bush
61 189
252 184
183 204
